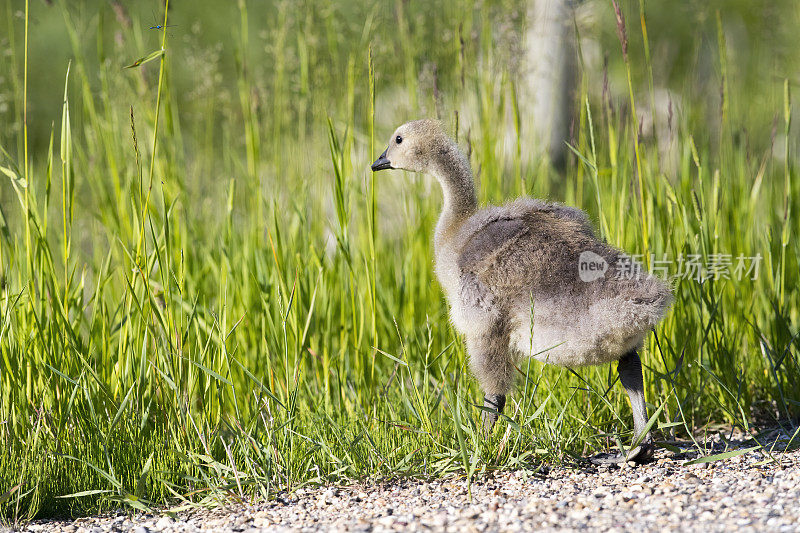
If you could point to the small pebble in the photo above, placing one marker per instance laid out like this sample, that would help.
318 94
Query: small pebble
163 523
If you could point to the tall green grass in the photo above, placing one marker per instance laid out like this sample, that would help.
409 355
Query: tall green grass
211 296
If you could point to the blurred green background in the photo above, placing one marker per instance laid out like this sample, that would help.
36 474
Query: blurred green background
296 53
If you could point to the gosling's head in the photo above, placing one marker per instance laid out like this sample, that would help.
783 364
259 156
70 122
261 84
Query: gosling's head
413 146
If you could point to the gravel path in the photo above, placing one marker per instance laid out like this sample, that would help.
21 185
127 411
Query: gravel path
744 493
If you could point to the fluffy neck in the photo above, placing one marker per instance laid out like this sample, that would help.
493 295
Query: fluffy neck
452 169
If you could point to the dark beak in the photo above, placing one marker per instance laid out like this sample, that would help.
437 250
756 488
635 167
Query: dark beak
381 163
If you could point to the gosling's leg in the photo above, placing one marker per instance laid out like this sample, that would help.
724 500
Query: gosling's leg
492 365
630 375
495 402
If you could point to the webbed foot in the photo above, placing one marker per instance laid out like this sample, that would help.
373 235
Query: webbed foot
642 453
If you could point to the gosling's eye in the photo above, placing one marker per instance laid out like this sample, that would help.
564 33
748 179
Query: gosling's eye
398 139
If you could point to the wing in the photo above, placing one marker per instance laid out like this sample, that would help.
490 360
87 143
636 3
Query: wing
536 250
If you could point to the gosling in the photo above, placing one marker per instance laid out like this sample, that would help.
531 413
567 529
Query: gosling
530 279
